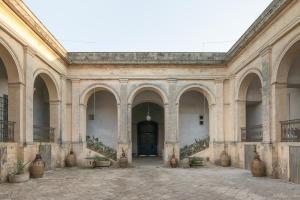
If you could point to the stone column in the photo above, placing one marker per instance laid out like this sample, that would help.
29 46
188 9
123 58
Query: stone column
76 137
55 113
124 132
266 94
279 109
268 151
240 118
171 123
219 135
28 97
16 110
63 112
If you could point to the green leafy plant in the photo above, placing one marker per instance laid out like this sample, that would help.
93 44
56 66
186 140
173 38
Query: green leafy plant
95 144
98 158
20 167
196 147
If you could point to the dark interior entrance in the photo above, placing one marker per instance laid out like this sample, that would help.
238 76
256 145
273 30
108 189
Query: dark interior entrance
147 138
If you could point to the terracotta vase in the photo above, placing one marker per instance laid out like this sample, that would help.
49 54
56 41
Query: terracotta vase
225 159
38 167
258 167
71 159
173 161
123 162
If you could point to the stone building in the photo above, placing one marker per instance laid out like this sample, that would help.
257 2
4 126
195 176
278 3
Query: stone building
152 103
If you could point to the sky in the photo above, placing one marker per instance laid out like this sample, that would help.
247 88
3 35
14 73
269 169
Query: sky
147 25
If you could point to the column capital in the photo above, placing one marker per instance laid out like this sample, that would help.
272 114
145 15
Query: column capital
219 80
172 80
123 80
75 80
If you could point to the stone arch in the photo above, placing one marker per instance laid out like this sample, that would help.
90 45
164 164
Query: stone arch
51 83
148 87
198 101
284 61
198 88
249 107
245 81
11 63
286 92
13 83
88 91
46 107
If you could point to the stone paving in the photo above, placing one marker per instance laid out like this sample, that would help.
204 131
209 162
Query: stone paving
150 182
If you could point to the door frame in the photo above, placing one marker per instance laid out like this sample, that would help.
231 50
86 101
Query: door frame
139 125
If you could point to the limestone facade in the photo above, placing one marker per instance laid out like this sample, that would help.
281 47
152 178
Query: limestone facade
265 53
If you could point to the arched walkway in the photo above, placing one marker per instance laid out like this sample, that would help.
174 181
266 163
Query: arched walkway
146 106
287 94
100 114
11 80
194 120
250 107
46 109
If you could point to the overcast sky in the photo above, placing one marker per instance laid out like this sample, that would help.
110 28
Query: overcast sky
147 25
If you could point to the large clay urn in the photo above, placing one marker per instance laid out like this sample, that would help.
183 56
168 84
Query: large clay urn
225 159
71 159
123 162
37 167
173 161
258 167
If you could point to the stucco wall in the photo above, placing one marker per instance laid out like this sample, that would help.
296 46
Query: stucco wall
191 106
41 109
105 125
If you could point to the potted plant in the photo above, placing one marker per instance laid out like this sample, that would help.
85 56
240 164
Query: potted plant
196 162
102 162
37 167
123 162
20 174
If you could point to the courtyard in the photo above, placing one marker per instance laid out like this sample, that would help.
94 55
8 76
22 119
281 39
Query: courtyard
151 182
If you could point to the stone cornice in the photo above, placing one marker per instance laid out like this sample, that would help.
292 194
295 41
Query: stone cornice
191 58
22 11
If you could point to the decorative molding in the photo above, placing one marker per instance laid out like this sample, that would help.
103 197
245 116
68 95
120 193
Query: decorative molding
163 58
22 11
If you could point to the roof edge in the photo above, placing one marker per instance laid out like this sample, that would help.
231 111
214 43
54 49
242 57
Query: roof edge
258 25
27 16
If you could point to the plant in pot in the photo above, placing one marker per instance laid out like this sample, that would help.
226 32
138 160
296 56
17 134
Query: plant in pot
37 167
20 174
123 162
196 162
71 158
102 161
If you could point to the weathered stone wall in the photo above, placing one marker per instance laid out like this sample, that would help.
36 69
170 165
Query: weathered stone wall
8 159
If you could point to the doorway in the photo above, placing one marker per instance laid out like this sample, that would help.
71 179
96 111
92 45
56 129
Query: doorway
147 138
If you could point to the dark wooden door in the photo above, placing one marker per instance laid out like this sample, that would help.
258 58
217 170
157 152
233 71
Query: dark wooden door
147 138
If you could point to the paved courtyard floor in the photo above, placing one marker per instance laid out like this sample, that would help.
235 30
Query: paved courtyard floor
151 182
